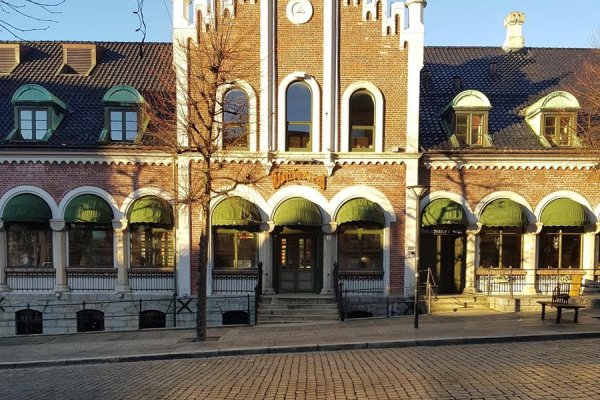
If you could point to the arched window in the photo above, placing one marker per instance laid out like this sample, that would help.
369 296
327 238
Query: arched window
151 234
235 120
298 116
362 121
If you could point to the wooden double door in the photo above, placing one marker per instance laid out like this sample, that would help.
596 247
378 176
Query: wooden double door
296 262
443 251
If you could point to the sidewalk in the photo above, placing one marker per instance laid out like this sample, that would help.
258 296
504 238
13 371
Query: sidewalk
434 330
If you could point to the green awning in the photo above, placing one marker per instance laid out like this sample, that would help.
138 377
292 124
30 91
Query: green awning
298 211
151 210
563 212
360 210
235 211
503 212
27 208
443 212
89 208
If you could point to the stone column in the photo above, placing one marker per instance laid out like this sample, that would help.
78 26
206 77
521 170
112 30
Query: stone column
265 254
120 232
329 256
59 254
588 250
472 257
3 259
530 255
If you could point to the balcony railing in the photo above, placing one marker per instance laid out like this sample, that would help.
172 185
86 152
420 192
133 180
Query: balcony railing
500 280
234 281
30 279
148 280
92 280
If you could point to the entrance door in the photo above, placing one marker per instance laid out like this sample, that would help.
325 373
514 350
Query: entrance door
296 262
443 251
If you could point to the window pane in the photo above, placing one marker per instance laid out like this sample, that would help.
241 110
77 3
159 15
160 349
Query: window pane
362 109
116 130
27 134
565 131
131 116
571 250
549 246
130 135
41 115
235 249
361 138
360 249
234 136
151 247
550 128
298 103
29 245
298 136
116 116
90 246
511 250
224 250
235 119
26 115
489 250
26 125
102 248
246 250
41 125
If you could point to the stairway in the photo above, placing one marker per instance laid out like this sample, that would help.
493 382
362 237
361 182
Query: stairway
457 303
297 308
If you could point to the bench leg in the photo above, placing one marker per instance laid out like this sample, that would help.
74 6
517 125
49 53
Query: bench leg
543 311
576 315
558 314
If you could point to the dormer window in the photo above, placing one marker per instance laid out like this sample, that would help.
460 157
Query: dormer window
37 114
125 121
559 129
123 125
553 118
466 119
470 128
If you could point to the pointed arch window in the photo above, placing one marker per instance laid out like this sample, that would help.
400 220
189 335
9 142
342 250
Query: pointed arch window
362 121
298 117
235 119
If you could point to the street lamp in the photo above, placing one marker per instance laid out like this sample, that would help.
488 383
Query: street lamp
418 191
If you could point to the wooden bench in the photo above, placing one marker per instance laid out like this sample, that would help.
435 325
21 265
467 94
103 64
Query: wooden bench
560 301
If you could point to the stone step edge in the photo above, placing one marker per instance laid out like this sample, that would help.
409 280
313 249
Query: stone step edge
342 346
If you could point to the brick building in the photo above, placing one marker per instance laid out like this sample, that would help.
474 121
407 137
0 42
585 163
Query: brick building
346 114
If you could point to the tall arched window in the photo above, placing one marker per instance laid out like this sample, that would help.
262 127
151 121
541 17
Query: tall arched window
362 121
235 120
298 116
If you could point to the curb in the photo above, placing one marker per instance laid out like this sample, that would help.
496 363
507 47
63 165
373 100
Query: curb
247 351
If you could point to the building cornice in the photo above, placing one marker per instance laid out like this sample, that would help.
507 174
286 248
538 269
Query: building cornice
84 157
517 160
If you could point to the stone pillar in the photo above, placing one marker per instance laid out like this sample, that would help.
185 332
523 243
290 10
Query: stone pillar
265 254
472 257
59 254
329 256
3 259
121 253
588 250
530 255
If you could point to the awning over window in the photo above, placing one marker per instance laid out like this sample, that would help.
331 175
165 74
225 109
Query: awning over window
503 212
151 210
27 208
360 210
298 211
89 208
235 211
443 212
563 212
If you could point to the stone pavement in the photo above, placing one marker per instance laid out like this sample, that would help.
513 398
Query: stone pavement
441 329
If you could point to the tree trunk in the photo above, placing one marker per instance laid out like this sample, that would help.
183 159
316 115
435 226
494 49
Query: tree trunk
202 277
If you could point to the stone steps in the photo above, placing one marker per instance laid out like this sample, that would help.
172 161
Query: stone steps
282 309
443 304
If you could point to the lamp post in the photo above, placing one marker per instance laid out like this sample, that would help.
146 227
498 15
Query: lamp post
418 191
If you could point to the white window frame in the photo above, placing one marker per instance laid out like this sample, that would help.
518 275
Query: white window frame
379 106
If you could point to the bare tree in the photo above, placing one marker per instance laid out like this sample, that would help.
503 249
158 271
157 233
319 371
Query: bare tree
20 16
215 112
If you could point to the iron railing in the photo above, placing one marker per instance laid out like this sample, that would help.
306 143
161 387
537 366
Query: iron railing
234 281
356 282
92 281
141 280
41 280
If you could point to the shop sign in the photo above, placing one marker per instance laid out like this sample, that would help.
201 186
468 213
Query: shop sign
281 178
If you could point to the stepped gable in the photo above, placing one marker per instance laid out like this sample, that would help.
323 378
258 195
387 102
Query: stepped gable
119 63
519 80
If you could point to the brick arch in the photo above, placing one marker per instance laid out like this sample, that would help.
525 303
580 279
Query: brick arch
442 194
517 198
31 190
103 194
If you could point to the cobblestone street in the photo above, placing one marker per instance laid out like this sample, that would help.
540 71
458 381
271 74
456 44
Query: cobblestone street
536 370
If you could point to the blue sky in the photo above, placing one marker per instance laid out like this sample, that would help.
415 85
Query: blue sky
448 22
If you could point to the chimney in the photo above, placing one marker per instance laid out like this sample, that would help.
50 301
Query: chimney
514 32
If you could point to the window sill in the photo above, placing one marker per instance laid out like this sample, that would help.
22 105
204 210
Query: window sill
556 271
500 271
